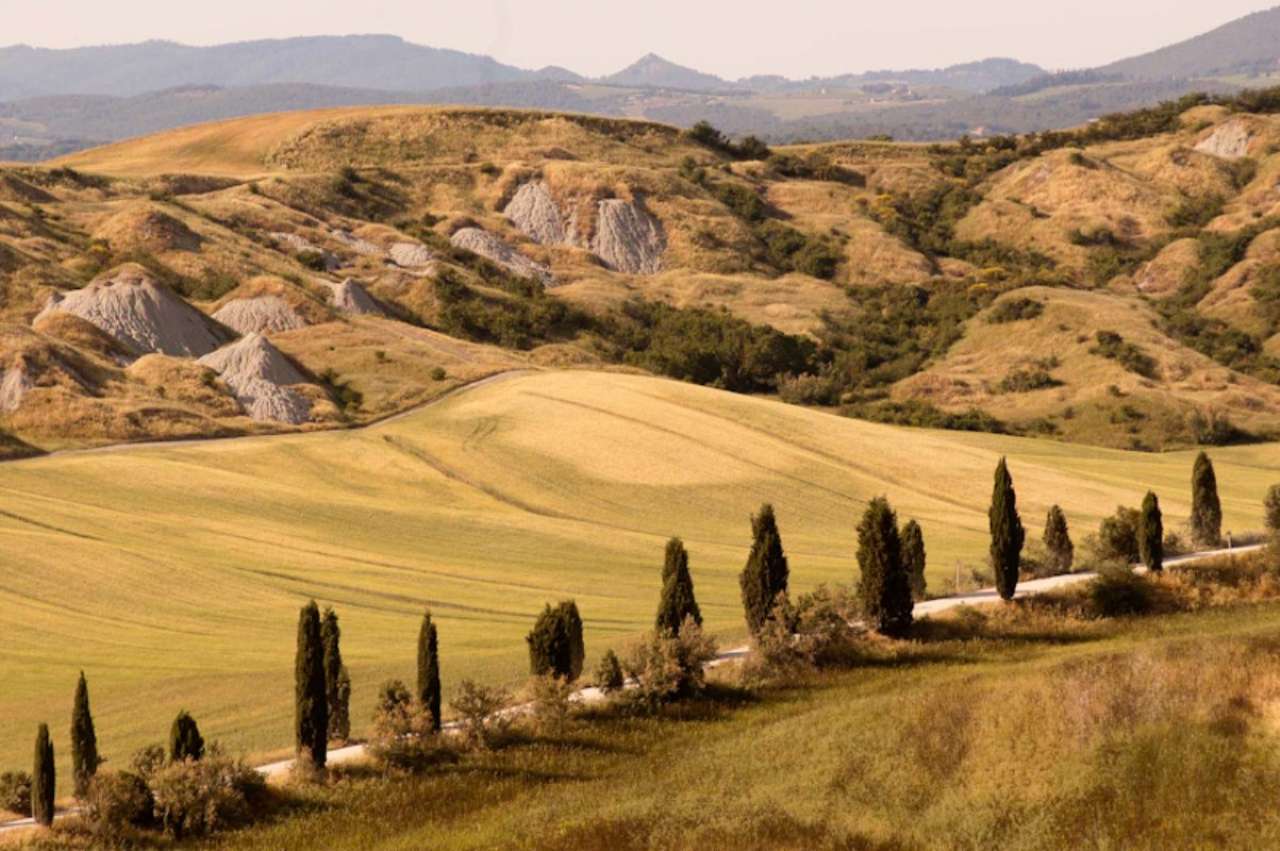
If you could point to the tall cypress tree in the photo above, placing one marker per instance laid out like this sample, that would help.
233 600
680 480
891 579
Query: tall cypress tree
677 601
1057 540
1151 534
913 558
336 697
883 586
1206 510
765 575
84 740
185 741
429 670
1007 534
43 778
311 706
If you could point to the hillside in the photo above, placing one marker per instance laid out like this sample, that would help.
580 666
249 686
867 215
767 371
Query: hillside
881 280
181 567
1247 46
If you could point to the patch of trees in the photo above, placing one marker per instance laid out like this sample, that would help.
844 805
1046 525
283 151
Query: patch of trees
518 322
748 148
707 346
1114 347
1015 310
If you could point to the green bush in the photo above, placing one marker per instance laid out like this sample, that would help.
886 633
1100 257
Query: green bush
609 676
666 667
1112 346
1027 381
1119 592
117 801
555 642
15 792
482 714
1015 310
196 798
1118 535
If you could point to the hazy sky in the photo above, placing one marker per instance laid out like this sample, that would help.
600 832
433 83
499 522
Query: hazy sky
796 38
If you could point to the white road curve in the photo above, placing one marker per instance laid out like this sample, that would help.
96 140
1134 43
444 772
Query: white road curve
358 753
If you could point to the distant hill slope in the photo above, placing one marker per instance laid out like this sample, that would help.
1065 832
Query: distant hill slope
365 61
655 72
1248 45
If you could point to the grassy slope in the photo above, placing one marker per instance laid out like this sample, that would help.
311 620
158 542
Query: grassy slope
1056 740
173 575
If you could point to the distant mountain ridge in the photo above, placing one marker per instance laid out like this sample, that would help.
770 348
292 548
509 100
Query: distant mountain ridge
362 61
54 101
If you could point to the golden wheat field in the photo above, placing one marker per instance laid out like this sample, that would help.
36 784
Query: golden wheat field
172 574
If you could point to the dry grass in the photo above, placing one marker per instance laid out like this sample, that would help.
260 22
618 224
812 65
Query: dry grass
1084 407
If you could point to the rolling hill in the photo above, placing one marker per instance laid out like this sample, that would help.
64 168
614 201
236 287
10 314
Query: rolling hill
887 281
181 568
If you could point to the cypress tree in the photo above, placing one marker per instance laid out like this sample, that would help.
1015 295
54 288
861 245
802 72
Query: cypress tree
1057 540
311 707
677 601
337 697
429 670
1007 534
884 586
555 643
1271 510
84 740
43 778
765 575
1206 510
185 741
913 557
1151 534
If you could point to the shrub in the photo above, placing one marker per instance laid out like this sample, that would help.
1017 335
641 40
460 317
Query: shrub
609 676
552 705
15 792
1057 541
405 735
1118 535
1015 310
1027 381
483 714
1118 592
555 643
196 798
147 761
1271 508
439 374
666 667
116 801
1112 346
313 260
